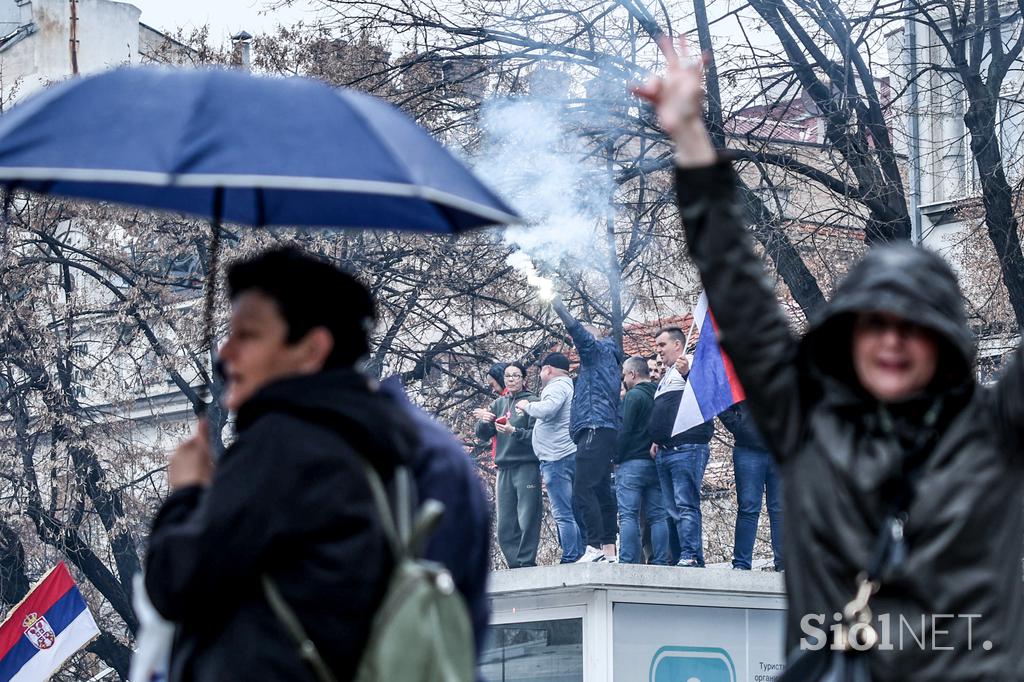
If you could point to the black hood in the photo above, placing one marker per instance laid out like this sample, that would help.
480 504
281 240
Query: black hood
912 282
497 372
345 400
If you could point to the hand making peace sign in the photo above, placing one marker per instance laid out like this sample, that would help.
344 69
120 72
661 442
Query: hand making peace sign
678 99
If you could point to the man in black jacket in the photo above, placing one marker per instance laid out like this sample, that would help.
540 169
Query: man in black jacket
289 499
892 455
636 478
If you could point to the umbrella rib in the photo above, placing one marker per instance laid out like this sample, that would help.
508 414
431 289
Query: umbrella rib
264 182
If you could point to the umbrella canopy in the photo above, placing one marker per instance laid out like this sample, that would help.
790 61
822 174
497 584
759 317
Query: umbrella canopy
257 150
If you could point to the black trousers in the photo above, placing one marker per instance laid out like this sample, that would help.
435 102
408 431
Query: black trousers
592 493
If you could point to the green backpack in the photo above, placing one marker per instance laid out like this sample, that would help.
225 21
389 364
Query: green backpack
421 631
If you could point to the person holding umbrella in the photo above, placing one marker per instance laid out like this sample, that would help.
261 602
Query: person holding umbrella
901 475
289 498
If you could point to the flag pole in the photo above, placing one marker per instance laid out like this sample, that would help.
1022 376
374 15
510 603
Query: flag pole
693 326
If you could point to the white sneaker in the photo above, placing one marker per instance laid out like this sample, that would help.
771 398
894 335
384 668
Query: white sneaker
613 559
591 555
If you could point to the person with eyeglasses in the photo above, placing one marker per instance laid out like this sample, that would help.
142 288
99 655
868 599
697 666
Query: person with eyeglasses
518 491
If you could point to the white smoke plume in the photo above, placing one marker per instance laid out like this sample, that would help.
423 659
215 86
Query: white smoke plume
540 166
545 286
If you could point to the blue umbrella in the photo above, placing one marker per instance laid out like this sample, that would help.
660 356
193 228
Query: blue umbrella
249 149
224 144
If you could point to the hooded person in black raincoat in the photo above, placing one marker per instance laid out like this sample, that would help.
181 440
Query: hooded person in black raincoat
289 498
887 445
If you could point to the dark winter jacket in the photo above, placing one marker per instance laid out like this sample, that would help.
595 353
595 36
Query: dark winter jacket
444 472
741 425
515 448
842 455
595 405
289 499
634 439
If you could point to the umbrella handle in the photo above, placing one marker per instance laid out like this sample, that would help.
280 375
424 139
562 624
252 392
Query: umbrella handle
210 301
211 272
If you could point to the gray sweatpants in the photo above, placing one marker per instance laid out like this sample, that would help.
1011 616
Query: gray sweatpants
519 513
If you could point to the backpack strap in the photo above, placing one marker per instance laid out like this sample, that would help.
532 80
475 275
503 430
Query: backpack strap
307 649
397 532
424 525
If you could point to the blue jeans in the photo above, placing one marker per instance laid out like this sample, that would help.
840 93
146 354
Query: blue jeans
755 476
636 483
558 479
681 471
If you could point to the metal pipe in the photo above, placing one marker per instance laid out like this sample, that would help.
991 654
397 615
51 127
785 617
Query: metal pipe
914 141
74 37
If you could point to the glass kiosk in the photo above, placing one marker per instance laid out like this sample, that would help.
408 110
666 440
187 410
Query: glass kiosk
634 623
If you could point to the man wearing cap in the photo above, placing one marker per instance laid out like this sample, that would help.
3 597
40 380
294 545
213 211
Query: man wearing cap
555 449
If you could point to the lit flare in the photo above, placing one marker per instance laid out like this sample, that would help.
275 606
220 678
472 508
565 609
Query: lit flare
545 286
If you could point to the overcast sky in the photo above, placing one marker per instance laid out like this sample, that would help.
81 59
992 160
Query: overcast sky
226 17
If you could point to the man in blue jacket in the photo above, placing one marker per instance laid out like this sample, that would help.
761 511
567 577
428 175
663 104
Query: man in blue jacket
594 427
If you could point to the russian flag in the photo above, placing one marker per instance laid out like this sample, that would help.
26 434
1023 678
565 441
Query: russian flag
712 386
45 629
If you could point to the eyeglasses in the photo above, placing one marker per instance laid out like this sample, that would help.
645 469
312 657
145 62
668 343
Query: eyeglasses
881 323
514 376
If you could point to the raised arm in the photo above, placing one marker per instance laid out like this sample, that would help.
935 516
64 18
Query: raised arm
752 327
206 544
563 313
583 340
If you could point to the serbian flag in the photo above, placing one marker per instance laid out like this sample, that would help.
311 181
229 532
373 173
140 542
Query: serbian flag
45 629
712 386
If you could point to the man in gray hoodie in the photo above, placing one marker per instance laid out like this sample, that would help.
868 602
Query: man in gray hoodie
555 449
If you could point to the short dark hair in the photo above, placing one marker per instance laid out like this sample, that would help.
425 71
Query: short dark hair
674 333
310 292
638 364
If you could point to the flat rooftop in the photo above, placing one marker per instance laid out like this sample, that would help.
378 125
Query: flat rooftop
523 581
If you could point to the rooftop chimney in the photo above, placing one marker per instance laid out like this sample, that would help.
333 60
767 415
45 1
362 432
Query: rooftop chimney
243 42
